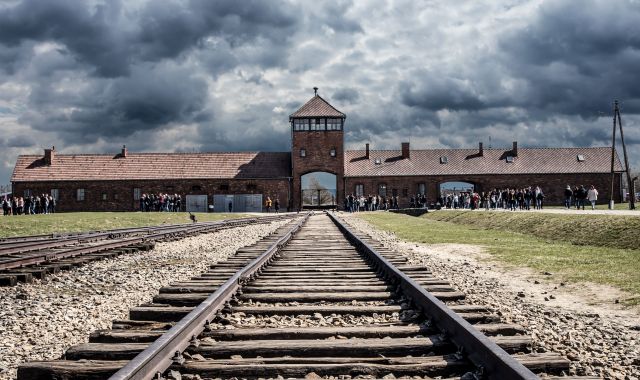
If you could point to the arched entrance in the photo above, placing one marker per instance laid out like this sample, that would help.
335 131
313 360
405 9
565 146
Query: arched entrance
456 187
318 190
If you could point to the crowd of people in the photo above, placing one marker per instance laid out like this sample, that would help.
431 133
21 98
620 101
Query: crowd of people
578 196
31 205
160 202
508 199
358 203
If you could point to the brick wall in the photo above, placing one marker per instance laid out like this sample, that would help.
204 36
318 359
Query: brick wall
120 193
552 185
317 145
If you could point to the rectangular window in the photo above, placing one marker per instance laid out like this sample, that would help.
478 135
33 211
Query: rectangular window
405 192
318 124
115 196
104 196
27 193
80 194
55 194
394 192
382 189
334 124
252 187
301 125
303 153
224 187
359 189
137 193
422 188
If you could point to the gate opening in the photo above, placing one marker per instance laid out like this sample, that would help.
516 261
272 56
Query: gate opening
318 190
456 188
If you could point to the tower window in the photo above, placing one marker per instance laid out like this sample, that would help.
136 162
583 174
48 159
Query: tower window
303 153
334 124
317 124
301 125
332 152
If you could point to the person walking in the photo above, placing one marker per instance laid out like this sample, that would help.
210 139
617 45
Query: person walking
267 204
568 193
276 205
592 196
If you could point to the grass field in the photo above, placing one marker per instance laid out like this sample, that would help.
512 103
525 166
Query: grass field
91 221
608 250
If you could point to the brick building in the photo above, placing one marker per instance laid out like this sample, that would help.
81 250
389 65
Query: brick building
316 172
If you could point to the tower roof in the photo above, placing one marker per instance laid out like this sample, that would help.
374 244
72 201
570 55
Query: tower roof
317 107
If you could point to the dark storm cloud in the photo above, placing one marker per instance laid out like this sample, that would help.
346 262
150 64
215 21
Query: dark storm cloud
577 59
433 92
346 95
19 142
104 38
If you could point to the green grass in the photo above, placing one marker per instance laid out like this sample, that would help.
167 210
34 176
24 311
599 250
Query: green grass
614 231
534 246
90 221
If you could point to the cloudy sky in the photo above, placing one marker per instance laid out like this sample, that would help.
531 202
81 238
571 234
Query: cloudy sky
199 75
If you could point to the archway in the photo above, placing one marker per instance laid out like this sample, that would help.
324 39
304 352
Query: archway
456 187
318 190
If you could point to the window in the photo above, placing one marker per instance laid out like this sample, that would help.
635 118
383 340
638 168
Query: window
405 192
580 157
509 159
378 161
55 194
252 187
394 192
334 124
196 188
224 187
444 159
301 125
80 195
317 124
303 153
382 189
115 196
136 193
104 196
332 152
422 188
359 189
27 193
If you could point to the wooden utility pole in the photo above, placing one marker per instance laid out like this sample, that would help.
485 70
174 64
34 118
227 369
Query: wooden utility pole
616 117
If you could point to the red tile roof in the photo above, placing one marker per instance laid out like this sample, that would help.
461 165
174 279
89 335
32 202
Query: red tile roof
317 107
468 162
83 167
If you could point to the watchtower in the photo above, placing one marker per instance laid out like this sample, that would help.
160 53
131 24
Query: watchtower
317 154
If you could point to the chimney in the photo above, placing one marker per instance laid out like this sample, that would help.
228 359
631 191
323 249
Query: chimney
366 151
405 150
124 151
480 149
514 150
49 155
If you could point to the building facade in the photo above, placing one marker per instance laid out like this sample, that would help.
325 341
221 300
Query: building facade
317 172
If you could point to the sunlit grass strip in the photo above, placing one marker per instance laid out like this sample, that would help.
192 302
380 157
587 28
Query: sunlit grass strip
576 263
19 225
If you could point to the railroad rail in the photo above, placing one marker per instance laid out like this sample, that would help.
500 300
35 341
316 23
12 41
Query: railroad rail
315 297
23 258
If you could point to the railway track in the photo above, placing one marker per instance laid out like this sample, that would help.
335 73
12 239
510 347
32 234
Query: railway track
26 257
312 299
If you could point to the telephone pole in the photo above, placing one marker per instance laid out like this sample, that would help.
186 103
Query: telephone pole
618 119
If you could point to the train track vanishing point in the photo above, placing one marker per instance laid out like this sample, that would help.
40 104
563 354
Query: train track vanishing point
312 299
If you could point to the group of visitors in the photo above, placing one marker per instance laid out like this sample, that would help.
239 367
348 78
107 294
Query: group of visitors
578 196
31 205
508 199
358 203
160 202
269 203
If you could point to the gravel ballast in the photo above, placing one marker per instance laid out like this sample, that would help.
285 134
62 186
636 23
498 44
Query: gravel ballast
39 321
605 344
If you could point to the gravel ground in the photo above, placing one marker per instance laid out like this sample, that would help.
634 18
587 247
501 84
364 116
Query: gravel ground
602 344
39 321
